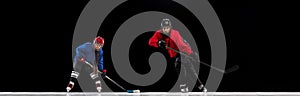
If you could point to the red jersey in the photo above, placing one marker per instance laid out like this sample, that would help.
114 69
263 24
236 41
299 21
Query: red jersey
171 41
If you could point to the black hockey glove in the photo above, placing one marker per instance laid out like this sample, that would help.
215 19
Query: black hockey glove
161 43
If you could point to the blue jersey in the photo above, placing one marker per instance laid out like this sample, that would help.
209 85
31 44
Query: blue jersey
100 61
87 52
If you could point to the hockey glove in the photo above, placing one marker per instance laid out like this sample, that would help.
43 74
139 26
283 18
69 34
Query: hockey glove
161 43
103 73
81 59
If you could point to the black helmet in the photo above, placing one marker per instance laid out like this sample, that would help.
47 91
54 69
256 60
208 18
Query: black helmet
166 23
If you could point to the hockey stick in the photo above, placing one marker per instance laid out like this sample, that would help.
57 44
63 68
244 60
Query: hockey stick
129 91
91 65
234 68
198 79
115 83
196 75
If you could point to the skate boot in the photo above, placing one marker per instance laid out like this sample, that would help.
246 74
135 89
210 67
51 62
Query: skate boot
70 86
201 87
184 88
98 86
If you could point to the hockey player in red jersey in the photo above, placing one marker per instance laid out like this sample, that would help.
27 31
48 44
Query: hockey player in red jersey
168 37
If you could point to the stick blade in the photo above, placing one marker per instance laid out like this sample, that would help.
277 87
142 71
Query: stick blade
133 91
232 69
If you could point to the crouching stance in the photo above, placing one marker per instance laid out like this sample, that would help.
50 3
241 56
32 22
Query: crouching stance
89 58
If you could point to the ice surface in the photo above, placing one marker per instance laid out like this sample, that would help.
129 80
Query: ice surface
150 94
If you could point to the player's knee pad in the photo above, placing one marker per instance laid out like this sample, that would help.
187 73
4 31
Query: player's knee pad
94 76
74 76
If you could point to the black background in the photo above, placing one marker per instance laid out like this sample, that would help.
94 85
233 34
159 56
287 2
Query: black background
37 47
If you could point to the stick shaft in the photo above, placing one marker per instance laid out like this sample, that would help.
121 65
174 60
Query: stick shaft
115 83
107 77
218 69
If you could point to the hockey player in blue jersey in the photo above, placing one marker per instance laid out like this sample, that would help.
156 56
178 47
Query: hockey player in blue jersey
90 56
